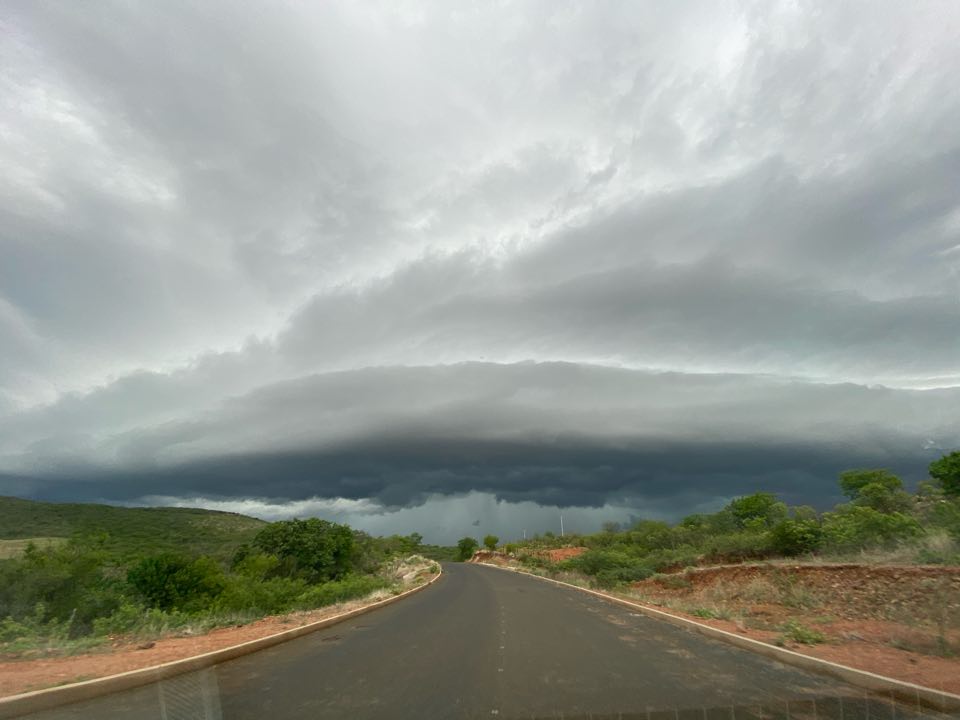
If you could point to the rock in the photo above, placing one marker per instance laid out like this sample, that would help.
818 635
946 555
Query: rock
146 645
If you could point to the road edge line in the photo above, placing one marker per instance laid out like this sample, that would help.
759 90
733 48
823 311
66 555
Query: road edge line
902 690
14 706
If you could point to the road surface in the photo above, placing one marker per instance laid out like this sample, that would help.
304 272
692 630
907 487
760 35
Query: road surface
485 643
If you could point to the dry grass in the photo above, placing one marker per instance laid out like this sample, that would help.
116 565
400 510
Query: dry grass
10 549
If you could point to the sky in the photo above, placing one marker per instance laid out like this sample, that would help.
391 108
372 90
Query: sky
461 268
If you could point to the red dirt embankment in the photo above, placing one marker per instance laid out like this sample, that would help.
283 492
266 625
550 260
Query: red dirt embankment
495 557
898 621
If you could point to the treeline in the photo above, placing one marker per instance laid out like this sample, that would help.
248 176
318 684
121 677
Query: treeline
84 590
880 518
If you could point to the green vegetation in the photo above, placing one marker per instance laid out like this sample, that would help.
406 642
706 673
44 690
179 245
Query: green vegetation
441 553
130 531
881 518
465 548
946 471
798 633
16 548
490 542
106 579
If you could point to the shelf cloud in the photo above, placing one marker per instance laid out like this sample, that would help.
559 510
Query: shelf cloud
365 261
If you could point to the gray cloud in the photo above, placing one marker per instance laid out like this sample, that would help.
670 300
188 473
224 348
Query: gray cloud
569 254
554 434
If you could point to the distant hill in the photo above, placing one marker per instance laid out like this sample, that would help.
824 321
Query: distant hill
129 531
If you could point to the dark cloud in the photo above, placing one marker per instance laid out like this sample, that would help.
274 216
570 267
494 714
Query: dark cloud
391 255
553 434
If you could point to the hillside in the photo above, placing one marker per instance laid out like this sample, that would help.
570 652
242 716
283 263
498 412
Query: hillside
129 531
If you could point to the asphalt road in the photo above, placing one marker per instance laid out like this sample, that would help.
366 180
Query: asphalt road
485 643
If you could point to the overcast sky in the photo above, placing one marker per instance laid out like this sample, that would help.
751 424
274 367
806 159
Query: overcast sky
414 266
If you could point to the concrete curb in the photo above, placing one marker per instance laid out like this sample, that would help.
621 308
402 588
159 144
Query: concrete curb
903 691
38 700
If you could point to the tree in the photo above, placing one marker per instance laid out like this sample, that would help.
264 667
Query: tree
852 482
946 471
490 541
760 509
878 489
466 546
316 550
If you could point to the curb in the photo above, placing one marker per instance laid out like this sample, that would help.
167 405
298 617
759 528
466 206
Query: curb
903 691
18 705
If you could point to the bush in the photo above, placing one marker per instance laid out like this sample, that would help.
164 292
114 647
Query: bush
609 567
316 550
736 547
69 582
855 527
946 471
466 548
248 594
652 535
170 581
796 537
794 631
945 514
490 542
757 511
339 591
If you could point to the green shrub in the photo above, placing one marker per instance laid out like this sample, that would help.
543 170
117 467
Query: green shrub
609 567
855 527
944 514
316 550
466 547
759 510
706 613
339 591
670 558
738 546
70 582
795 632
652 535
795 537
946 471
246 594
174 582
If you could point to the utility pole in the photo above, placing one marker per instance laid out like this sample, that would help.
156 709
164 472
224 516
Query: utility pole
561 525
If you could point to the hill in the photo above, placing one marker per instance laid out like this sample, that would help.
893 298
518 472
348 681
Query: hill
129 531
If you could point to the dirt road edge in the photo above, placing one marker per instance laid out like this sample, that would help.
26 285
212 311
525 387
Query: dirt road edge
18 705
903 691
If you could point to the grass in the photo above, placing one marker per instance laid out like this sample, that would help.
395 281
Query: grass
15 548
32 638
127 531
796 632
674 581
711 613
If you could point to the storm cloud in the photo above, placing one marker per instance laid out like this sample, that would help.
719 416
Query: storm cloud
357 260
